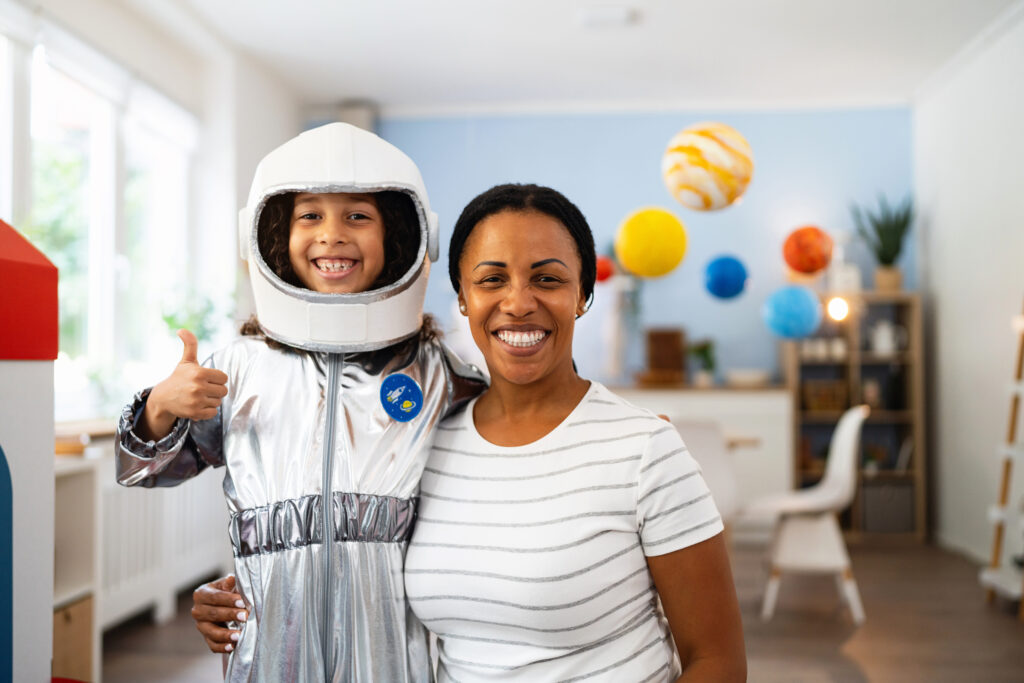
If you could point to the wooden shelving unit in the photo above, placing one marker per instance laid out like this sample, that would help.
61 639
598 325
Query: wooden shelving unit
77 542
838 368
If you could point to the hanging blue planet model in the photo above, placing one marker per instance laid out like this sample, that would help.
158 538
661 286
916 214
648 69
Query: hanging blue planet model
725 277
792 312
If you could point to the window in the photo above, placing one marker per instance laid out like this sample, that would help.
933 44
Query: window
66 219
153 268
5 129
109 203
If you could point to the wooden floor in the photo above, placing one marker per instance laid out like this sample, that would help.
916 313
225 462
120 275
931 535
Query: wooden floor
927 621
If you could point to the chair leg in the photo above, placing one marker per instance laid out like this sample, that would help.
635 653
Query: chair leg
841 587
852 597
771 594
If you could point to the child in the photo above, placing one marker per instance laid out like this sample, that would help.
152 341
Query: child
333 396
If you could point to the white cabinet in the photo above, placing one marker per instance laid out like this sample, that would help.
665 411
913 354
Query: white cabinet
759 423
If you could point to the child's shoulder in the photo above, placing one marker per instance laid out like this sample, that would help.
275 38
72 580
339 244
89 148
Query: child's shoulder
243 350
244 344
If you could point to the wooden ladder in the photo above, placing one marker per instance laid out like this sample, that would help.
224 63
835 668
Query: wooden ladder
997 578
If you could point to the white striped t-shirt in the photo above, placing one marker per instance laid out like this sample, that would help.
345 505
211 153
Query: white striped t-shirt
528 562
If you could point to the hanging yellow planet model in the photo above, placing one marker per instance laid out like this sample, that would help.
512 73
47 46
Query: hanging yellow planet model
707 166
650 242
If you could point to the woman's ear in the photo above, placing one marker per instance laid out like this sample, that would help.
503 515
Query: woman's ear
583 305
462 305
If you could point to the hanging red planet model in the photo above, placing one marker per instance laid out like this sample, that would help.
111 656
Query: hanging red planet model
807 249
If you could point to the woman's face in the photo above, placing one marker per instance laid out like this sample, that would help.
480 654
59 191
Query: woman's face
520 283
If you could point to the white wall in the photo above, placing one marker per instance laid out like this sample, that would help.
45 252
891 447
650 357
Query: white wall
267 114
152 54
969 184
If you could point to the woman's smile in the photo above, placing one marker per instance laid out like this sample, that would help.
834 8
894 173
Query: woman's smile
522 341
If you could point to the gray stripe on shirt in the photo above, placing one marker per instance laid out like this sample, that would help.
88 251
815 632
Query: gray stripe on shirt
579 651
641 416
506 549
679 507
715 519
661 459
592 463
476 501
629 625
578 444
522 579
667 484
646 592
533 608
619 663
547 522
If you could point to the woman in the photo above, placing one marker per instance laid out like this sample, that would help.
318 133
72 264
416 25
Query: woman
554 515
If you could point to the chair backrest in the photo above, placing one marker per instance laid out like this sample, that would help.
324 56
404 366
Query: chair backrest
840 478
706 443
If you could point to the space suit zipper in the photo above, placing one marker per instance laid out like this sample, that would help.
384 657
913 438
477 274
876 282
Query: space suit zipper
327 507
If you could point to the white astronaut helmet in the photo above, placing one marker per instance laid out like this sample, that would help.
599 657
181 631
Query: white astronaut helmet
337 157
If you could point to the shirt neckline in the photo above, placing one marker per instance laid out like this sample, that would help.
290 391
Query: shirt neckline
578 408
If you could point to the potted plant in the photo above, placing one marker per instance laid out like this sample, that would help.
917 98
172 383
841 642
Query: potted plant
883 232
704 352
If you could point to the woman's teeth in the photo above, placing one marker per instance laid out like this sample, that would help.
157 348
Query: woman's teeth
521 338
334 265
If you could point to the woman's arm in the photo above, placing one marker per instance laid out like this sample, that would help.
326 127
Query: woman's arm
697 592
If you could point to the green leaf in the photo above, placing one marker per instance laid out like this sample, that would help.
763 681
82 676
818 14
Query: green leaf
883 232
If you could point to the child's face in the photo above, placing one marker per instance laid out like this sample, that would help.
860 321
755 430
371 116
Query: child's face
336 241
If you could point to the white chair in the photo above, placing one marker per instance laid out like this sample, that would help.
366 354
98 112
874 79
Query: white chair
807 537
706 443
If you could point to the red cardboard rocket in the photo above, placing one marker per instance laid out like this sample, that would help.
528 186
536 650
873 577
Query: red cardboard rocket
28 300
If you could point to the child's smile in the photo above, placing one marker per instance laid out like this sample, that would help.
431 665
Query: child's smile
336 242
334 265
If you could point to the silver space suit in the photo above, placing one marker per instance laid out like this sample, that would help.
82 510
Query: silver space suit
343 422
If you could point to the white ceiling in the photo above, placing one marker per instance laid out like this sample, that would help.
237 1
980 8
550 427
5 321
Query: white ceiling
440 56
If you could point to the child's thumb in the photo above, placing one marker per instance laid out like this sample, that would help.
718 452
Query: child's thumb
188 355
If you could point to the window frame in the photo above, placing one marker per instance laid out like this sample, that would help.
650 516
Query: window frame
129 101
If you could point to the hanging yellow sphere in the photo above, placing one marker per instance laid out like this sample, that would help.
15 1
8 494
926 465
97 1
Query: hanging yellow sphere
650 242
707 166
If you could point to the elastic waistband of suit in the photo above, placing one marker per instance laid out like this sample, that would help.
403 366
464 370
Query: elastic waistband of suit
296 523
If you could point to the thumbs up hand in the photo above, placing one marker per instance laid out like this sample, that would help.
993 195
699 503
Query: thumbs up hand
191 392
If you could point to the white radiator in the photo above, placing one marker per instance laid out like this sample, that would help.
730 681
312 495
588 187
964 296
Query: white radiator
159 541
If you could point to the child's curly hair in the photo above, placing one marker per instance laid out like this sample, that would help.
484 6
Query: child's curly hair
401 243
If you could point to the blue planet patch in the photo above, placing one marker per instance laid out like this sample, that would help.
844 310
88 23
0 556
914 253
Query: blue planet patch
401 397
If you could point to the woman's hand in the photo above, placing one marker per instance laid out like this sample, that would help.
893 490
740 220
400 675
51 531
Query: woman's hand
215 604
192 392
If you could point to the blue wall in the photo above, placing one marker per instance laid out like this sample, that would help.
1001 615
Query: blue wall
809 167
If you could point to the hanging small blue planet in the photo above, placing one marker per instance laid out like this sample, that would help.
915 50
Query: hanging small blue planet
792 312
725 277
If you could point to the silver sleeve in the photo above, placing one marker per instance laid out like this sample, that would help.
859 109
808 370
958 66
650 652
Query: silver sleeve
190 448
464 380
